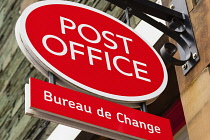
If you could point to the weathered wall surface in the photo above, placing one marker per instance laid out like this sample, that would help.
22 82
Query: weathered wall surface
195 86
196 103
15 71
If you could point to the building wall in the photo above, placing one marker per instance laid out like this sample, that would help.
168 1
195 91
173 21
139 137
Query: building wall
194 87
14 73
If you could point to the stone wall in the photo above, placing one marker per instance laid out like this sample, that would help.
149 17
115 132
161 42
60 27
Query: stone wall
194 87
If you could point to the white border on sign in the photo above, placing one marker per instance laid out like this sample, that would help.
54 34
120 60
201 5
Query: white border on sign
49 67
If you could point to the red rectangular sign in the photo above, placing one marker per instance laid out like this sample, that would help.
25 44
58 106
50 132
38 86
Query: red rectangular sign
97 113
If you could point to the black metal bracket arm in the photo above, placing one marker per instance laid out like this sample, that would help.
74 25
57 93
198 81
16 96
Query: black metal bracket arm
179 28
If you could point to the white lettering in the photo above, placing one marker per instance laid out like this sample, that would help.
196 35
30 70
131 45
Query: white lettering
137 70
44 42
107 61
108 115
135 123
79 106
125 39
100 112
48 96
113 42
98 38
87 109
73 51
64 102
157 129
127 120
71 104
150 128
63 26
141 124
122 118
57 101
91 56
118 117
91 53
115 59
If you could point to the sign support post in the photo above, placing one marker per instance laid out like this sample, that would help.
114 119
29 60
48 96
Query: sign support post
143 105
52 78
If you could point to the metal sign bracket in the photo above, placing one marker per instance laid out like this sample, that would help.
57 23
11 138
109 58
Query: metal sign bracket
179 28
188 36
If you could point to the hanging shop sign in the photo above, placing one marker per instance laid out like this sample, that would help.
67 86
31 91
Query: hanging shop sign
92 114
90 51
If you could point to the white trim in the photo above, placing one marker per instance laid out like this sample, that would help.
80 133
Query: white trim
63 132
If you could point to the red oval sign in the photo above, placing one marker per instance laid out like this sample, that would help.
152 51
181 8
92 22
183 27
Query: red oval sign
91 50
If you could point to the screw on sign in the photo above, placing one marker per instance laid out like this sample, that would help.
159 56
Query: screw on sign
91 51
